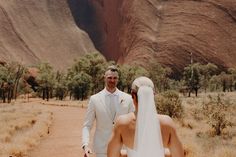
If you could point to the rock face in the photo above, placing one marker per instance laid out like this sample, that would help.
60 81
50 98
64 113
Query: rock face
40 30
167 31
127 31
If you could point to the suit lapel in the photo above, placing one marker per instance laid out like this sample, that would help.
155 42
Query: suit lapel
120 104
120 101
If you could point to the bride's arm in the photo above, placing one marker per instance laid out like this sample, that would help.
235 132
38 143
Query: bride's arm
170 137
175 145
115 144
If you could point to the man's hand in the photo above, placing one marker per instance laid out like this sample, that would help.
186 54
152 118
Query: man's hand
87 151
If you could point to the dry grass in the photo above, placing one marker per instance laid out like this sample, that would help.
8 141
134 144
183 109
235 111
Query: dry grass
196 134
66 102
54 102
22 126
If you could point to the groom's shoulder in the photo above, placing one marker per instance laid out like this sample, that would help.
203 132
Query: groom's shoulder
97 95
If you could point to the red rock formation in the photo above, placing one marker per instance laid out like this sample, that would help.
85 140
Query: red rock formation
103 25
128 31
40 30
168 31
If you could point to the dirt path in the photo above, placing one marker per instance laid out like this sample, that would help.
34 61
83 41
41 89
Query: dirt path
64 139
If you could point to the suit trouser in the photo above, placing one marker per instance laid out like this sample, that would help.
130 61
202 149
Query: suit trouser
101 155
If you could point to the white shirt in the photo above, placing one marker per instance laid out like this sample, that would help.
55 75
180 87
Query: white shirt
112 100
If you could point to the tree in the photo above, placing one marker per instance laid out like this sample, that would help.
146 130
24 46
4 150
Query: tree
159 76
46 79
60 85
127 74
10 75
123 83
192 77
232 71
207 72
215 83
226 81
3 81
80 85
93 64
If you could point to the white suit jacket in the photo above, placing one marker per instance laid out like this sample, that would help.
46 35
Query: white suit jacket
98 109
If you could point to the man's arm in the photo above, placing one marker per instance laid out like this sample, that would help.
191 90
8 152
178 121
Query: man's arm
115 143
88 124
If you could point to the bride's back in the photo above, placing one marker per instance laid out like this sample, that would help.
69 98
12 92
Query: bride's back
127 129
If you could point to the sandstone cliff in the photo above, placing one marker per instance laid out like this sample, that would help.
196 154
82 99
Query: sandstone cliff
167 31
128 31
207 29
40 30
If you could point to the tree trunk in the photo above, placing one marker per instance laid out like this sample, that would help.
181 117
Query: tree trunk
224 86
218 131
47 93
44 94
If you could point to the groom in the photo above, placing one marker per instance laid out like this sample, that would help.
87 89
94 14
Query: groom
104 107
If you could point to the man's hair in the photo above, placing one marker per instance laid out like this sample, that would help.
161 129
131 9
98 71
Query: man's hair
112 68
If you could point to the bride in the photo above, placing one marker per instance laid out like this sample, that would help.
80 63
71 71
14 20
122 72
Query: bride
144 133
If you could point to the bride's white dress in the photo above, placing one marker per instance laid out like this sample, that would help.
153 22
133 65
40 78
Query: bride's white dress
148 139
130 152
133 153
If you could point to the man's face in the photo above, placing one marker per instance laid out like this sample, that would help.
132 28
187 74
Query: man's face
111 79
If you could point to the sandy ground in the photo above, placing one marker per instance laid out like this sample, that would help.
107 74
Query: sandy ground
64 139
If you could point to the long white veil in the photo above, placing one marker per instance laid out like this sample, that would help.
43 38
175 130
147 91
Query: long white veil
148 139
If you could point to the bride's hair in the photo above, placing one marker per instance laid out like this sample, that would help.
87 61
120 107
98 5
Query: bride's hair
138 82
147 129
141 81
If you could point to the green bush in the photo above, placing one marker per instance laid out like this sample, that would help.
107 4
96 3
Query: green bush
170 104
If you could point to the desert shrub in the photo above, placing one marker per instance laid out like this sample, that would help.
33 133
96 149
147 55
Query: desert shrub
170 104
197 115
217 113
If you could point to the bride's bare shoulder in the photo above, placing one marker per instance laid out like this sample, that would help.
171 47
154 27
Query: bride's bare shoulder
166 120
126 119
